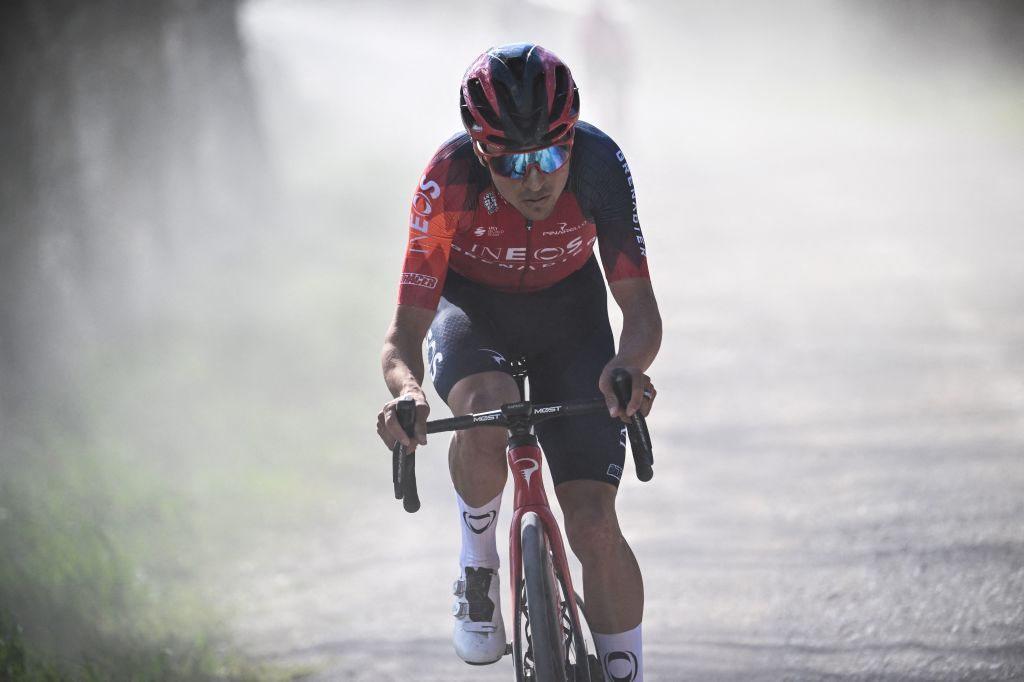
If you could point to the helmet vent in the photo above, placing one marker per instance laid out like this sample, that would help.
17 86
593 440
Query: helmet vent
540 95
517 65
561 93
479 100
504 96
555 132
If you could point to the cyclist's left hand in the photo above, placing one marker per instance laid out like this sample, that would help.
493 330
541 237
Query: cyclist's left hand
642 398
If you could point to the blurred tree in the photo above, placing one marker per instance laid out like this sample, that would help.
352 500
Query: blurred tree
129 138
946 23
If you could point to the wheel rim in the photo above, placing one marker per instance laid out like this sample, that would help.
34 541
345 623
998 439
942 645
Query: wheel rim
539 627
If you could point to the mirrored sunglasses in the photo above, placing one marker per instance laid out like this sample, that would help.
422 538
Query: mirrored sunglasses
515 166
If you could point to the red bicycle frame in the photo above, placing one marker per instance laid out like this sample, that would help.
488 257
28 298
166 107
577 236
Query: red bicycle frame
526 463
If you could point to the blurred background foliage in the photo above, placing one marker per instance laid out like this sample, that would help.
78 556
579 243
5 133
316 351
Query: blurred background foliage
138 358
190 310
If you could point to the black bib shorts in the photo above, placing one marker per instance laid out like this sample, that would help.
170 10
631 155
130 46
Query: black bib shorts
566 337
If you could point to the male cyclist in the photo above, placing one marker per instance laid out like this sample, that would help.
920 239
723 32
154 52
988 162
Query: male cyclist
500 263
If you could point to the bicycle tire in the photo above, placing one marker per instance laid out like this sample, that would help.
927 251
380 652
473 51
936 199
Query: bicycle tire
542 606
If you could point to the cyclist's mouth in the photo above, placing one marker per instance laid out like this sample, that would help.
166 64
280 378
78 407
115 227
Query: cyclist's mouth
536 201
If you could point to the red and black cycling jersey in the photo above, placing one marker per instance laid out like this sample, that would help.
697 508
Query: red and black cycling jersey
459 220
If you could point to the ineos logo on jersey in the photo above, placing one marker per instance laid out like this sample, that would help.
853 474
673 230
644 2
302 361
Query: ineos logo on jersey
422 205
504 256
621 666
478 524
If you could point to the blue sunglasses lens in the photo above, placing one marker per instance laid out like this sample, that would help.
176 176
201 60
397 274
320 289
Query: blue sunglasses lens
514 166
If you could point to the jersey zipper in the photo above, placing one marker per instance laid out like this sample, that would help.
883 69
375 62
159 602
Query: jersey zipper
526 258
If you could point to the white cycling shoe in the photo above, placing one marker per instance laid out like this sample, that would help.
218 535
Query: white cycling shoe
479 630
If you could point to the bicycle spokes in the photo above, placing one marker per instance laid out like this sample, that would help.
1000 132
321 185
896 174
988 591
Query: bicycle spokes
566 630
529 666
577 666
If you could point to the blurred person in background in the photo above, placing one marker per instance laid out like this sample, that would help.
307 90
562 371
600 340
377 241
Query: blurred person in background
608 55
500 262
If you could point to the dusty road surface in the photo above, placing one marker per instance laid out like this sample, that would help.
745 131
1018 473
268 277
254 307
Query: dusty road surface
839 488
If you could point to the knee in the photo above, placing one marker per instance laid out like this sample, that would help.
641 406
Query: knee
480 393
474 442
593 532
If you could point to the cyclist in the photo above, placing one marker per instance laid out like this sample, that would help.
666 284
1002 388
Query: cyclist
500 263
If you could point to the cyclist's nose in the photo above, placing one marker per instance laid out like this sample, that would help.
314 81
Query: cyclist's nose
534 178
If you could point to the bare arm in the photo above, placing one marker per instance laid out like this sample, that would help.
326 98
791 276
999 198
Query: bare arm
402 363
638 344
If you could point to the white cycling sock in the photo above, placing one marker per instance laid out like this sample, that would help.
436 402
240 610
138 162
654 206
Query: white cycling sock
479 546
622 655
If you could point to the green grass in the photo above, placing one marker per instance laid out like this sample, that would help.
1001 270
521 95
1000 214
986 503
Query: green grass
76 600
109 518
135 659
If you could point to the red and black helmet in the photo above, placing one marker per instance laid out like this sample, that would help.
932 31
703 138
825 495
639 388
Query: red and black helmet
518 97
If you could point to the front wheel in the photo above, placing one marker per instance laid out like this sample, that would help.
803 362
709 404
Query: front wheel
549 644
544 660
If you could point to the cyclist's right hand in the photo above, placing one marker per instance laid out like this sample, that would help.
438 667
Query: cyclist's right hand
390 431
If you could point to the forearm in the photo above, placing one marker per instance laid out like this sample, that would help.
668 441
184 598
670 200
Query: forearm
641 323
638 345
403 367
640 339
402 355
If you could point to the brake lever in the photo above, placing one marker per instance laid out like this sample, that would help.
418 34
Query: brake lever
639 436
403 464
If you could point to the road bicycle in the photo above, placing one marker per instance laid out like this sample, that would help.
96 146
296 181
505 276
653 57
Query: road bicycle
550 633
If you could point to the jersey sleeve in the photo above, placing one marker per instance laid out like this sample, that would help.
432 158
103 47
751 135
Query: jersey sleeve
429 242
606 191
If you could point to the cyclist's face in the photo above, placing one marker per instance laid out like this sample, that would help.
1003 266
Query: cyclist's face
536 194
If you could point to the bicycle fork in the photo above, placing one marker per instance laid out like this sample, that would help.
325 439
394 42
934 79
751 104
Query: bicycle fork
526 462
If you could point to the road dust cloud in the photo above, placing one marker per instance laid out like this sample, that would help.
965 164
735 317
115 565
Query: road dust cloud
204 215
